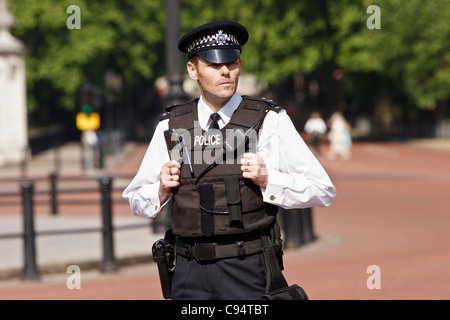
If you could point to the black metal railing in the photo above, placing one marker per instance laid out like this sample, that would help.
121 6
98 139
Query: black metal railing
30 269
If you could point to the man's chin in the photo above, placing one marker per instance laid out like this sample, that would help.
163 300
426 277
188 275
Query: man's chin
226 93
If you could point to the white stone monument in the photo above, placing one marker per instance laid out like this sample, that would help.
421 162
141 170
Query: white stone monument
13 106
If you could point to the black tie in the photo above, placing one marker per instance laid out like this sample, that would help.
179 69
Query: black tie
214 117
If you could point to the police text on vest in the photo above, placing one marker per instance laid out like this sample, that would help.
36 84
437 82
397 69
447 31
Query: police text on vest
208 140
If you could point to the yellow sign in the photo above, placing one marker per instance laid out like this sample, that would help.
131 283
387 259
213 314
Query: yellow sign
88 121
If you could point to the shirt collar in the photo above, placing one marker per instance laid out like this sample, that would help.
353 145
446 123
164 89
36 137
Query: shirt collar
226 112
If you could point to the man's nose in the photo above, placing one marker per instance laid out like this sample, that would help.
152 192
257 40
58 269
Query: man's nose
224 70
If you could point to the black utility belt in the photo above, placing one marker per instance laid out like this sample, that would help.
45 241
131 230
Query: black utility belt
209 251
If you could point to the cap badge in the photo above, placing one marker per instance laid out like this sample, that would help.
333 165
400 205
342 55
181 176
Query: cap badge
221 38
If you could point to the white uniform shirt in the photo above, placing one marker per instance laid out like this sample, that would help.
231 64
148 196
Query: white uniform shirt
296 178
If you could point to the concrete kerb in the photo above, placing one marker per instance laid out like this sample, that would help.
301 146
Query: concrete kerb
54 253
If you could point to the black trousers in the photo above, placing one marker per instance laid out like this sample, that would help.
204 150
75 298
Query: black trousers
225 279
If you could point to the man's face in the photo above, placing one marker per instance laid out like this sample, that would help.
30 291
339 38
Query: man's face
217 82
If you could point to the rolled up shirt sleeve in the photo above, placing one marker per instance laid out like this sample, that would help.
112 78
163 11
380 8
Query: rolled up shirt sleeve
142 192
296 178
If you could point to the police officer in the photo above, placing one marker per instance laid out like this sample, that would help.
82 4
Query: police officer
224 201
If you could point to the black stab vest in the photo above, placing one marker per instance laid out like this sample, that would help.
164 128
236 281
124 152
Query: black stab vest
213 197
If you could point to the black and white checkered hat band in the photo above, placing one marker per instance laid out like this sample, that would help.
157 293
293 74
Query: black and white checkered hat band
214 41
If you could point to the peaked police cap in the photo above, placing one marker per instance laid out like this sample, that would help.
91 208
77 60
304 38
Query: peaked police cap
216 41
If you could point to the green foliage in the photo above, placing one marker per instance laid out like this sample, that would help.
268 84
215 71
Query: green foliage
123 36
410 54
411 51
286 37
423 30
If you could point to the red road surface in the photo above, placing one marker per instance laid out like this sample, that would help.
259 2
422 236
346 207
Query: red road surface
391 211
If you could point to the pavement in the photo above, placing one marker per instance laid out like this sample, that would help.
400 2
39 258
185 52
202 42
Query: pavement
75 211
385 237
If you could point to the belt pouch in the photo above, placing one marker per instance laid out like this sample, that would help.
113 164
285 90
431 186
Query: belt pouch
206 192
233 198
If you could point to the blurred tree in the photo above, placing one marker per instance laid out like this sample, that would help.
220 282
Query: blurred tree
123 36
286 37
406 62
416 48
402 67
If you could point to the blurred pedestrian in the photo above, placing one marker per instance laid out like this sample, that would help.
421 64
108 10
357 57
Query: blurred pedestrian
224 212
315 127
339 137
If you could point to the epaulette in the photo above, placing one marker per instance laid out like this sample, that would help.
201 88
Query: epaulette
167 110
273 106
164 116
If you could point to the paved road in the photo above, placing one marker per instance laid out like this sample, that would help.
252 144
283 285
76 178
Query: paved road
390 212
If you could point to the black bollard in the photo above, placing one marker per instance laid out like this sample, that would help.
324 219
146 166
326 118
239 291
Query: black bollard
298 227
53 192
308 227
30 270
109 262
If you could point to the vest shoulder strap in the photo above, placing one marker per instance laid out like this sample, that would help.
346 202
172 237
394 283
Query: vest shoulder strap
178 109
251 108
181 115
252 112
164 116
270 104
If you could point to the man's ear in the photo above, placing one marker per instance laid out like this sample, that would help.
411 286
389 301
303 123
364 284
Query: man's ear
192 70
